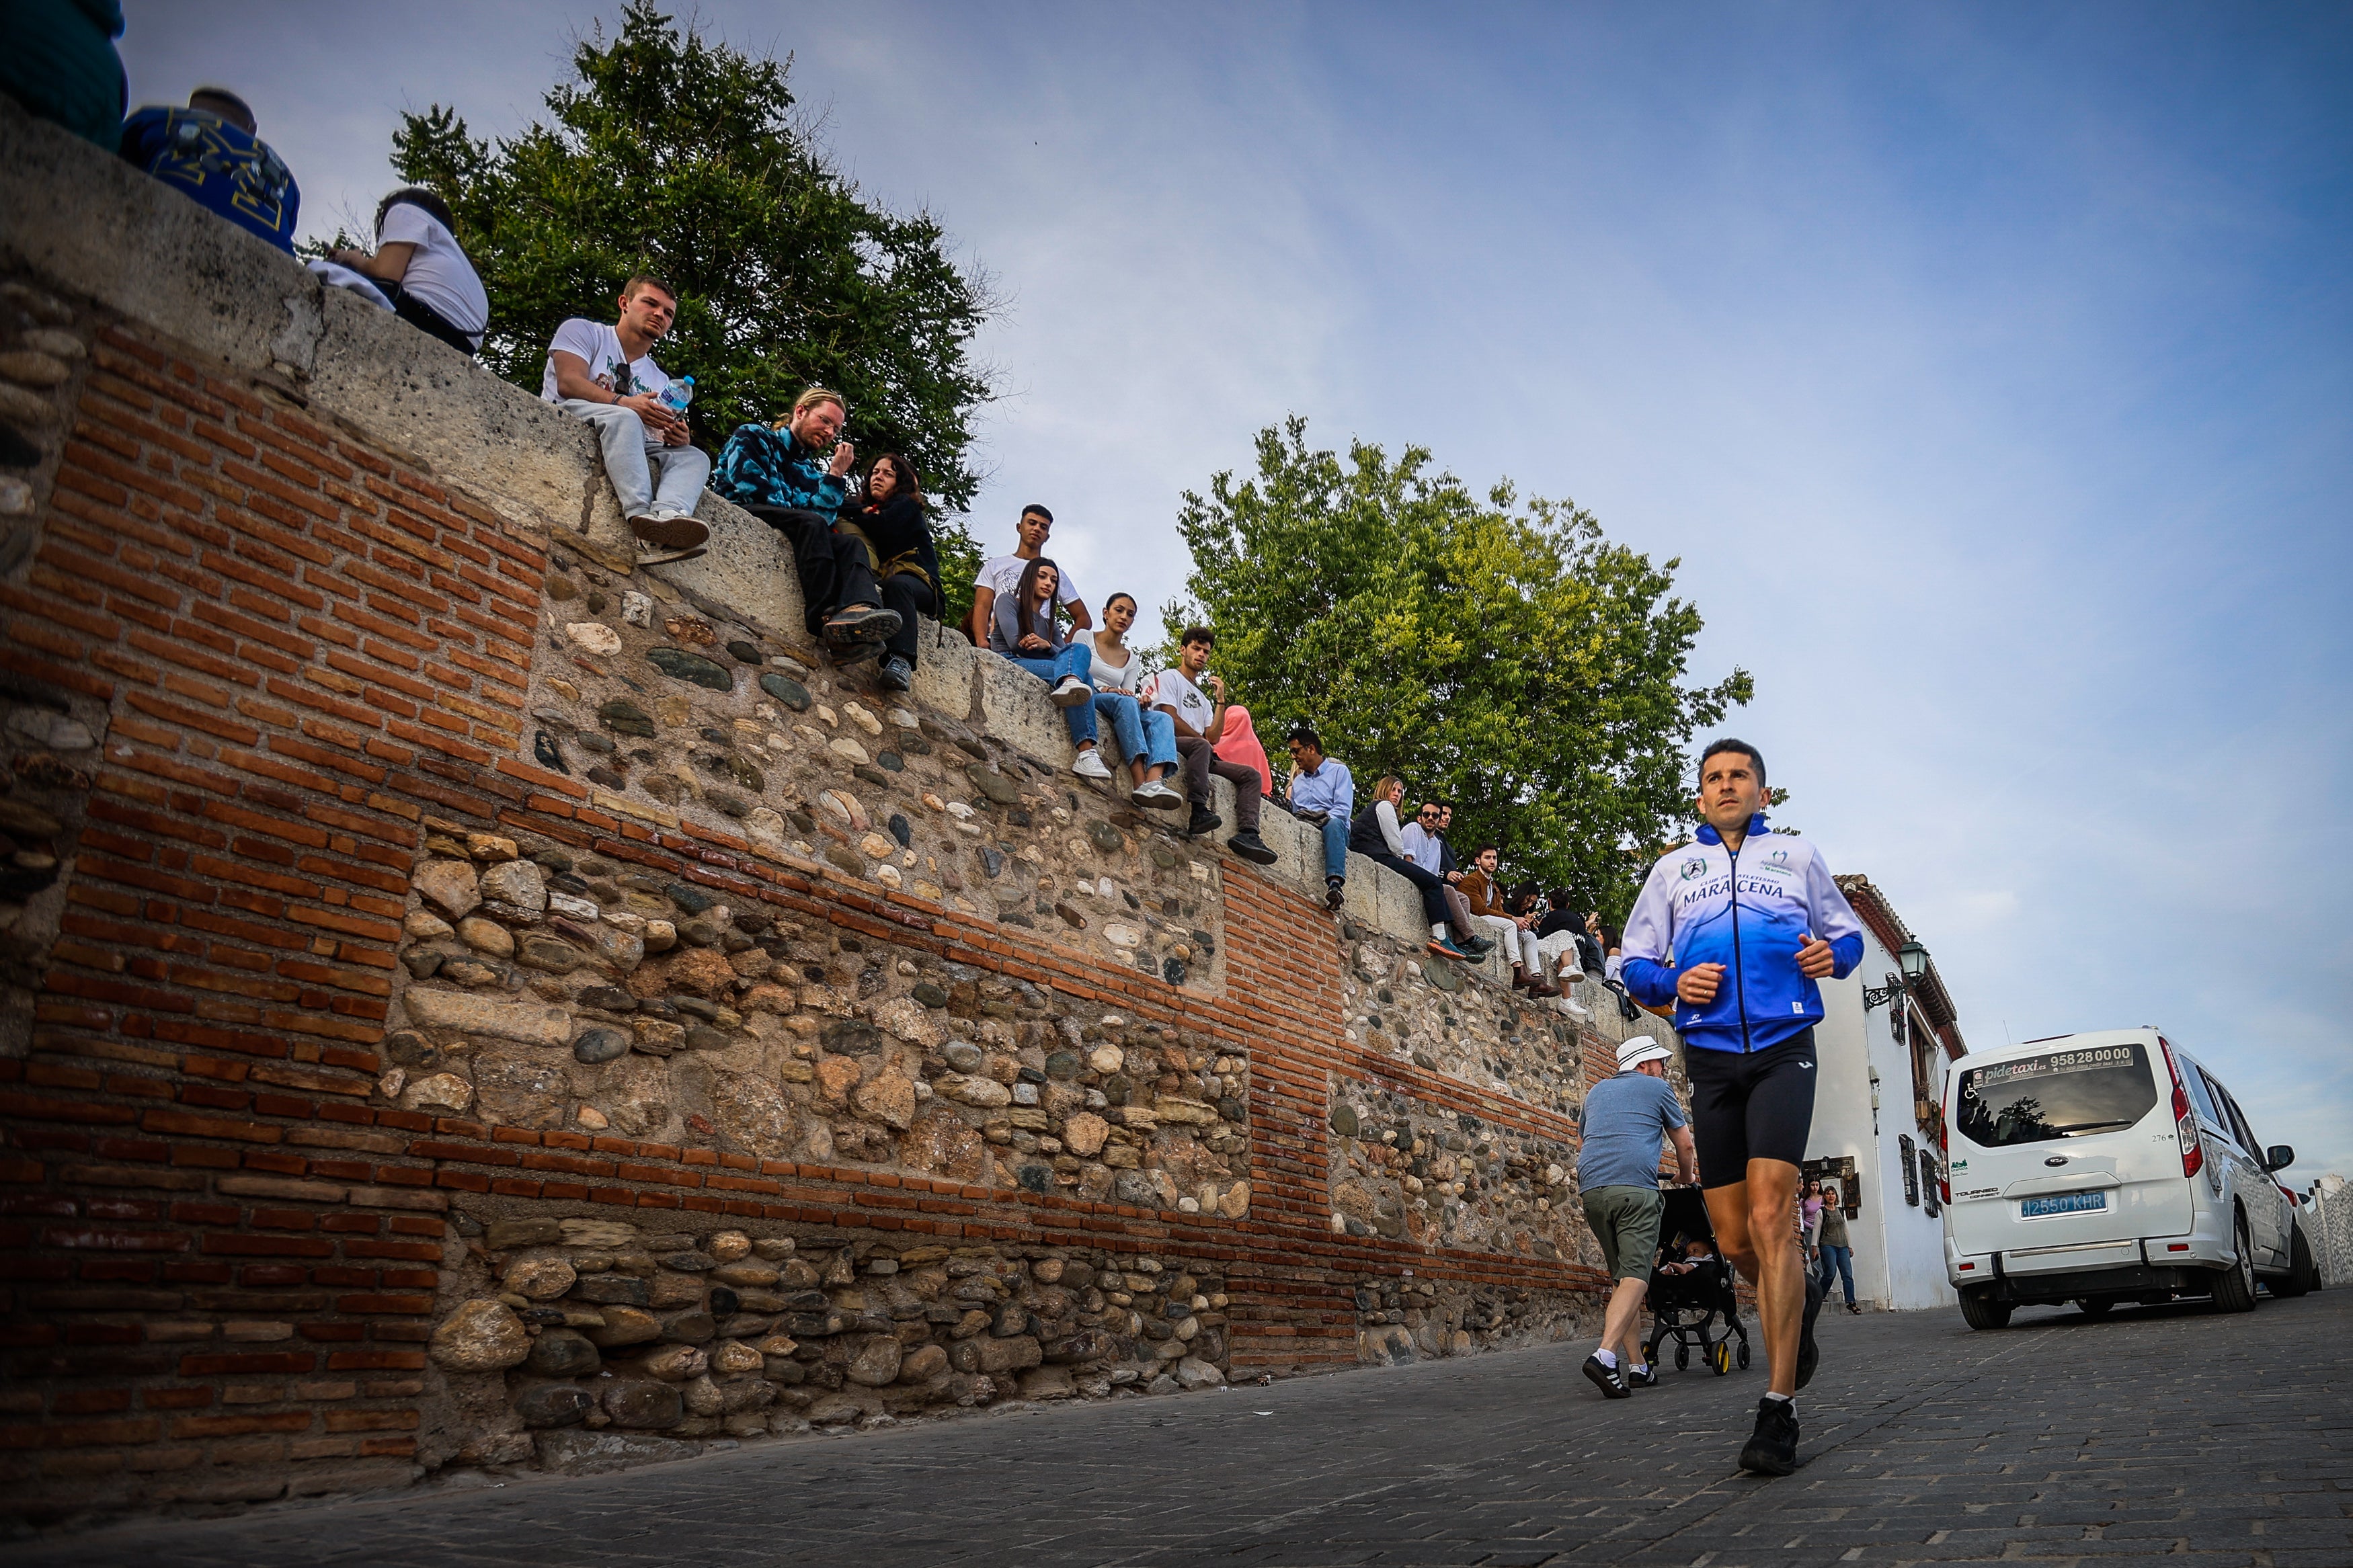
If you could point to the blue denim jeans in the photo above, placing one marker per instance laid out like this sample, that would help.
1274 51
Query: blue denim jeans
1145 733
1838 1263
1335 847
1074 661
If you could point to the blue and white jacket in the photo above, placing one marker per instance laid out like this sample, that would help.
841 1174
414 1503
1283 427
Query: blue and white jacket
1747 911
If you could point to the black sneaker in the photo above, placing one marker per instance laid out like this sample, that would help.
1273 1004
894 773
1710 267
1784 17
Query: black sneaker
1643 1377
1772 1448
1251 847
1605 1379
1203 820
1809 1354
1333 895
898 675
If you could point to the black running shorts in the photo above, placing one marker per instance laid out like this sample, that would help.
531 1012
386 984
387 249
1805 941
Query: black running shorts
1750 1105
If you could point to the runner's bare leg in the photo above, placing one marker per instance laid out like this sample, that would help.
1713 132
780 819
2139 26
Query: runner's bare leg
1760 1207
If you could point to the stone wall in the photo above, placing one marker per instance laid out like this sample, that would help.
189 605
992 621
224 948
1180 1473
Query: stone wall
465 1002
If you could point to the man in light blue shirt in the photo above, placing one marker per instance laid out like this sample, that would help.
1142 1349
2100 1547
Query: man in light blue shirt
1627 1118
1321 787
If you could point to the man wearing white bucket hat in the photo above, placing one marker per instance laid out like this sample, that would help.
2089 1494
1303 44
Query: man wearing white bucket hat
1626 1120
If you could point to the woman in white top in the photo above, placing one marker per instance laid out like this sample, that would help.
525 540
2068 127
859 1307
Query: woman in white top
421 268
1146 737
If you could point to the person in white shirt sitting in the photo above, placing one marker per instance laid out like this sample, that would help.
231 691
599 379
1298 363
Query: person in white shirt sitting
1200 717
422 271
606 375
999 574
1148 737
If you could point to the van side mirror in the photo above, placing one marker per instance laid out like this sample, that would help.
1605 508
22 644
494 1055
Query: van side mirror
2278 1157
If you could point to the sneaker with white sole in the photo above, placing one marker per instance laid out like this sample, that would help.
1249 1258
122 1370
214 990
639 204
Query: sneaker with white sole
1157 794
668 528
1088 764
1070 692
1569 1004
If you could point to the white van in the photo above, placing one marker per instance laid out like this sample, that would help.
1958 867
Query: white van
2108 1167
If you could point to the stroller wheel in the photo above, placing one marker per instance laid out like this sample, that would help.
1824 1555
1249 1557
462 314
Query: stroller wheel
1683 1357
1722 1357
1744 1355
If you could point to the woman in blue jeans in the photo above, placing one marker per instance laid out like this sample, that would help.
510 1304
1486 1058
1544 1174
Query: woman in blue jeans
1148 737
1837 1256
1022 628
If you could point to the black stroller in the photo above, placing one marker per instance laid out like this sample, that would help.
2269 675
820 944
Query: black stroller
1685 1306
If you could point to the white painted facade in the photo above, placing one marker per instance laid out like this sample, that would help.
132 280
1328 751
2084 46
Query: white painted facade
1864 1110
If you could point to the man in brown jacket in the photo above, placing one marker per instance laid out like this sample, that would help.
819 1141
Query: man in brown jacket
1485 894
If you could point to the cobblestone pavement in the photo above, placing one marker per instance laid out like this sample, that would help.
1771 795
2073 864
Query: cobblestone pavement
2168 1433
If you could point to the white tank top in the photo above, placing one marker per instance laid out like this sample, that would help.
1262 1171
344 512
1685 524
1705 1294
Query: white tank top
1110 677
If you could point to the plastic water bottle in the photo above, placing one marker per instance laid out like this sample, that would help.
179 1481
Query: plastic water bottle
677 394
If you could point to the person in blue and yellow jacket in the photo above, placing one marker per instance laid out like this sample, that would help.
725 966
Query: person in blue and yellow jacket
1735 931
209 153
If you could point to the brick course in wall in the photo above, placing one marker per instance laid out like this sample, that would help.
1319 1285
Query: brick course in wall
221 1250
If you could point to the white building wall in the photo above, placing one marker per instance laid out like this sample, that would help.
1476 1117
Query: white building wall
1899 1249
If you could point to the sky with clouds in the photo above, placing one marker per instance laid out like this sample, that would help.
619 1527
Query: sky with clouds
1986 367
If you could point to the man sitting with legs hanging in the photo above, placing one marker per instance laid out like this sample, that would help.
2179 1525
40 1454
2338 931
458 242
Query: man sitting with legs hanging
606 376
793 477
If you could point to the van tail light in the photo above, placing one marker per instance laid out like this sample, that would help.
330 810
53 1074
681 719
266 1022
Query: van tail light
1944 1164
2185 1119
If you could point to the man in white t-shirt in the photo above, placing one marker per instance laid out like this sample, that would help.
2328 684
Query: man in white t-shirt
1002 573
606 376
422 271
1200 717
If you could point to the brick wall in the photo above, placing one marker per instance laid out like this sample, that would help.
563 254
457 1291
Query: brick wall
224 1245
221 1260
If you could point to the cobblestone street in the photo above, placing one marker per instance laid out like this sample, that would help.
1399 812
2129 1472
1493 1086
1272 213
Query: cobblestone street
2166 1433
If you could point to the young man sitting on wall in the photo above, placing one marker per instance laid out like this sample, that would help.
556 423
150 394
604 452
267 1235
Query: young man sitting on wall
606 375
794 477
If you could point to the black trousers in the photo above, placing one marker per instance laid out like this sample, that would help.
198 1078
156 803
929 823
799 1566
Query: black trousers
423 317
832 567
834 571
1432 886
910 595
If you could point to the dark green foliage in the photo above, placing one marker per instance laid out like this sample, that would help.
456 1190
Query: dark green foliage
1508 659
672 153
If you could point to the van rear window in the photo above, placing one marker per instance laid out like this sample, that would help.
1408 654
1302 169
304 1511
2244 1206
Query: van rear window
2059 1094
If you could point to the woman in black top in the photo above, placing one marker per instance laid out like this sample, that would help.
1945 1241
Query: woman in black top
888 518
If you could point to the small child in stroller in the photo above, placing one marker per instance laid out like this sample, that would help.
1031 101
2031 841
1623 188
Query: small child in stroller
1692 1288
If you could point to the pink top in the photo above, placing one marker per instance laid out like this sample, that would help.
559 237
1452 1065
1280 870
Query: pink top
1237 742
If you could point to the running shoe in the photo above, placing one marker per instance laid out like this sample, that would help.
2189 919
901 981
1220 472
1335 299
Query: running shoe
1070 692
1445 949
1772 1448
1603 1376
1088 764
1156 794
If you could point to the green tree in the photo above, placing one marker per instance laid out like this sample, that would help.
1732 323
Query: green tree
672 153
1505 658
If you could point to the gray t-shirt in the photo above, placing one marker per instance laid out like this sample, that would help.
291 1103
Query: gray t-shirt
1625 1119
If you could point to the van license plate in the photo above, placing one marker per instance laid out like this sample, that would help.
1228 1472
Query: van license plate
2063 1203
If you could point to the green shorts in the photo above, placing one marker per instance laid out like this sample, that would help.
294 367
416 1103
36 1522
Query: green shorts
1625 1220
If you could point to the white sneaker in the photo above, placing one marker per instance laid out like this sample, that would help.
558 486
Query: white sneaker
1071 693
1156 794
1090 765
1568 1006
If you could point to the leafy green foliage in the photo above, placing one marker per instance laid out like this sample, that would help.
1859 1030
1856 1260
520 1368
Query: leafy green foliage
1507 659
672 153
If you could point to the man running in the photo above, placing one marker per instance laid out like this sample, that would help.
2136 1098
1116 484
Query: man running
1733 930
